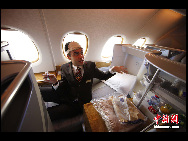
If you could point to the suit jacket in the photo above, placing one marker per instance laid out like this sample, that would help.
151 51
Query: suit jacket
69 89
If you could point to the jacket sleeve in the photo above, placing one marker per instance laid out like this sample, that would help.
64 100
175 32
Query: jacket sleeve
102 75
63 80
63 88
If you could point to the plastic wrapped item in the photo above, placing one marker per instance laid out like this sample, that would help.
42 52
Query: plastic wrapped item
125 111
115 120
121 108
105 108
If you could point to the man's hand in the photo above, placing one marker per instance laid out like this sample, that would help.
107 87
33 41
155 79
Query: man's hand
120 69
50 78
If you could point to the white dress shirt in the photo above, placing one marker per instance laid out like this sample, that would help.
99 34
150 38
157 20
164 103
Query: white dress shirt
75 67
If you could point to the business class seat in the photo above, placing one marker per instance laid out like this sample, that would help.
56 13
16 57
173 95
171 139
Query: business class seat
69 125
72 124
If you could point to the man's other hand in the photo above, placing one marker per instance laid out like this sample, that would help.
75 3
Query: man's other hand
50 78
119 69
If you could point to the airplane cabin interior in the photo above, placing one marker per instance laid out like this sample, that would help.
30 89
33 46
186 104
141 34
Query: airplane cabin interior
150 43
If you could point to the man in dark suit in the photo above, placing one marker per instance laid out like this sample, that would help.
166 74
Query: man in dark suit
74 88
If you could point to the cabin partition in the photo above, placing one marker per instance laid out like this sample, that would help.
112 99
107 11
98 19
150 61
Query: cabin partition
22 108
133 58
158 76
161 74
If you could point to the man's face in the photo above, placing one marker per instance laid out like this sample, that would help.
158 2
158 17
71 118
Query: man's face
77 57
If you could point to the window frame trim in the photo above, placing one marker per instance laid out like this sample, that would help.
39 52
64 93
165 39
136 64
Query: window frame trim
105 43
75 32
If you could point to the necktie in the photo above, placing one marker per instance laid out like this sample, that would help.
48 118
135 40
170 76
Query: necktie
78 74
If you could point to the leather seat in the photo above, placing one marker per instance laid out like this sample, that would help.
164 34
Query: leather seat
62 124
73 124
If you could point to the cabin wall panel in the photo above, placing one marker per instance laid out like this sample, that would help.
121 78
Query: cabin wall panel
162 22
98 24
175 38
29 22
47 27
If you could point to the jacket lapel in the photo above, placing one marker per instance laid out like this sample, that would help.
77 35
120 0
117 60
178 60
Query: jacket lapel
70 71
85 66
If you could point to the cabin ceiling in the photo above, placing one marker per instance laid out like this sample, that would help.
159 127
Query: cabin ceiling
47 27
181 11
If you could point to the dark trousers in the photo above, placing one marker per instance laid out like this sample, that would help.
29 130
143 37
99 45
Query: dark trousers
64 110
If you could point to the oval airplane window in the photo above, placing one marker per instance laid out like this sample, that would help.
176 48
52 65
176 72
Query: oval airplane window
21 47
107 51
78 37
140 42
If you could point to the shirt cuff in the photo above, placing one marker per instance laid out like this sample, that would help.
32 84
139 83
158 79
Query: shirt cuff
110 70
55 86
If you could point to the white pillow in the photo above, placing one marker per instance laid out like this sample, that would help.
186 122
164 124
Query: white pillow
122 83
